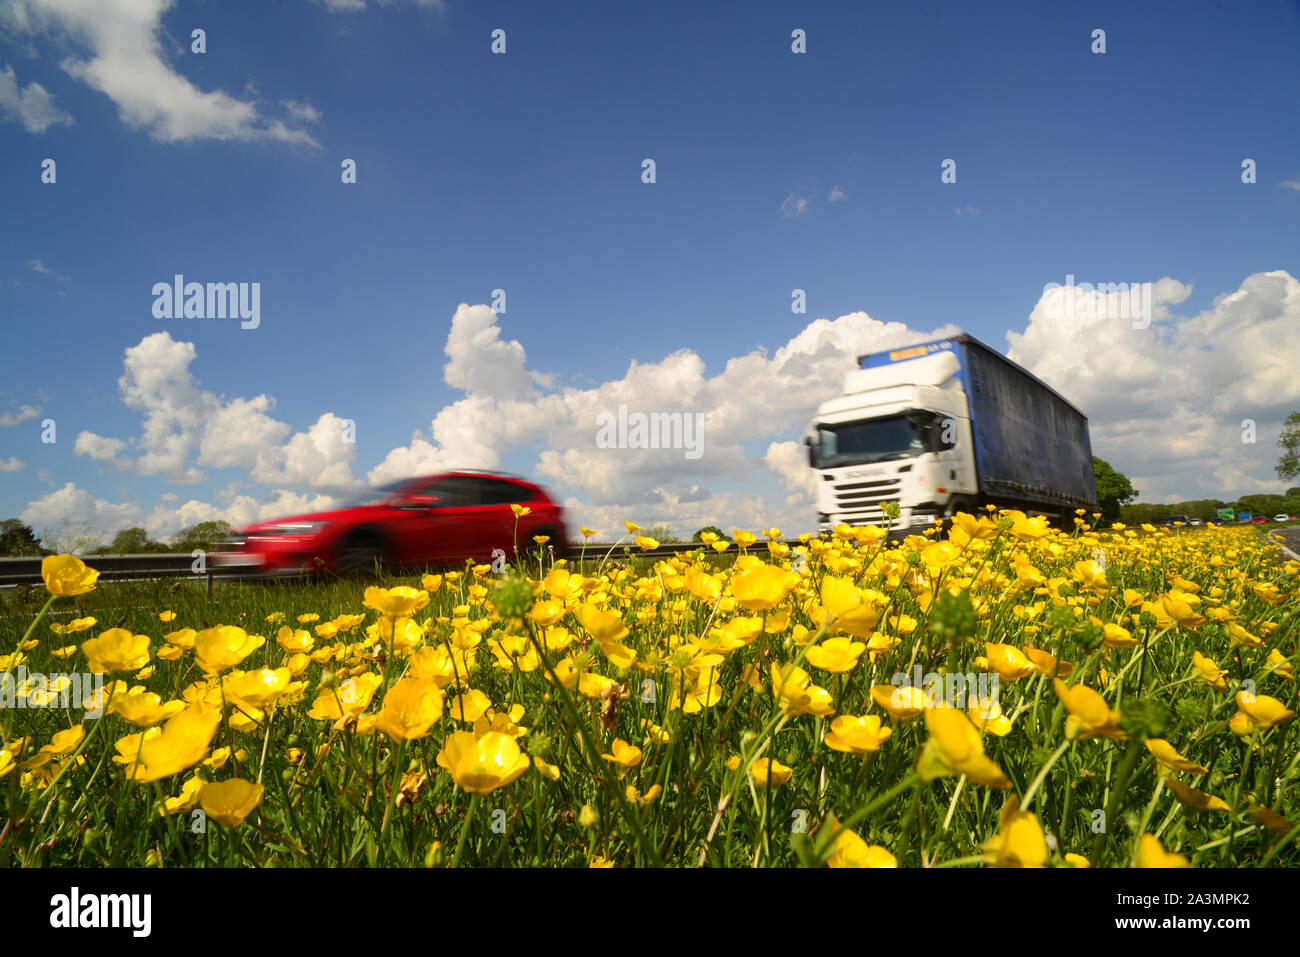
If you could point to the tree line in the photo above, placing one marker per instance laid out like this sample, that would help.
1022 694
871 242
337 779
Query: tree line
18 539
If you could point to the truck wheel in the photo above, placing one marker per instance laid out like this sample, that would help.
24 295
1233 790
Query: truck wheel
360 554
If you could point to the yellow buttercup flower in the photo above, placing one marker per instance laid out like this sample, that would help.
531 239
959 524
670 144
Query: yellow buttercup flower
854 735
1026 528
1209 671
481 764
549 771
67 575
1113 636
1166 754
230 801
796 693
347 700
469 706
643 800
1195 800
295 642
399 602
762 588
836 655
1280 665
986 714
765 771
850 850
600 624
187 800
1009 662
903 702
1019 841
1263 711
116 650
410 708
955 747
256 689
144 709
1179 609
224 646
845 609
65 742
626 756
1090 716
181 744
1152 854
1047 664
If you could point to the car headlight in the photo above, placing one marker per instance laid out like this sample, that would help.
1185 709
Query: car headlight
296 528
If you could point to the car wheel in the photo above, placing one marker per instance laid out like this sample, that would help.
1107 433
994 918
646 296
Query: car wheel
361 554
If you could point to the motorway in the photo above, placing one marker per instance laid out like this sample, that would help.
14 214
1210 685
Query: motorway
1290 537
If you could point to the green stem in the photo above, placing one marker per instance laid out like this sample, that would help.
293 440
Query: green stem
464 830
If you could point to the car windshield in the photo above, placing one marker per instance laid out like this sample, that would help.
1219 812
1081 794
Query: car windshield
876 440
375 496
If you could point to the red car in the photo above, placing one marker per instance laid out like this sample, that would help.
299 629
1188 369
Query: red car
428 521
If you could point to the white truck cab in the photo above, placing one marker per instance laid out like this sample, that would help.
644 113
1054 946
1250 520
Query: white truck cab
898 433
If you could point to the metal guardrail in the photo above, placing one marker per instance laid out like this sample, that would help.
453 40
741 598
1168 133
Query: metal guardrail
27 571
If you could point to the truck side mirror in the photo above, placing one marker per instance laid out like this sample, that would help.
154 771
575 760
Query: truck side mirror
808 441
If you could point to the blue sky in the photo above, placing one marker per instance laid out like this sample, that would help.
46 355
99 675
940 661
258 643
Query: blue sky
522 172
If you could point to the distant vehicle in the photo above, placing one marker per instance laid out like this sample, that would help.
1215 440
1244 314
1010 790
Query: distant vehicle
1176 519
942 427
1196 521
1216 521
432 520
1281 518
1259 521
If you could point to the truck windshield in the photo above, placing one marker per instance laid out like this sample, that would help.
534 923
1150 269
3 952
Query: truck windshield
876 440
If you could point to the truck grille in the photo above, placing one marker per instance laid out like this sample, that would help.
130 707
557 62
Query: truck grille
859 502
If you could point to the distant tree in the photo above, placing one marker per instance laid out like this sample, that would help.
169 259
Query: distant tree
17 539
203 535
1263 504
134 541
1113 489
1288 466
663 534
1145 512
699 535
73 538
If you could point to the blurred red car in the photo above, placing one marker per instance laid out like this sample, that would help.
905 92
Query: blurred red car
432 520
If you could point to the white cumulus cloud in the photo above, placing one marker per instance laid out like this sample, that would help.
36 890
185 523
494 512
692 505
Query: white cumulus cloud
125 60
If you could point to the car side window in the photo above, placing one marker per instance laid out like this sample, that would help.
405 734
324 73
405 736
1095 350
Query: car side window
495 492
456 491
